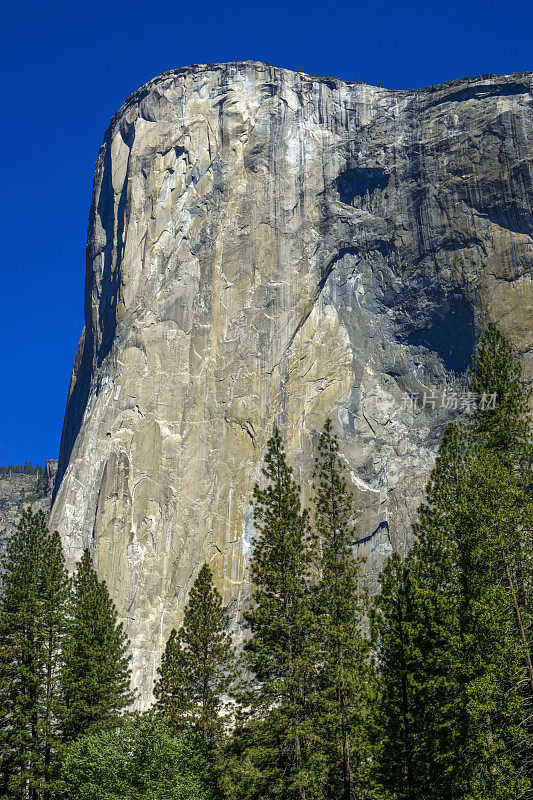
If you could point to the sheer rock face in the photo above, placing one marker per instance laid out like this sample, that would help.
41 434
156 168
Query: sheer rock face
265 246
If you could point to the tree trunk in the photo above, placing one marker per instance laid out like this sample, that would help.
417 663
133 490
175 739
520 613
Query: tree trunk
490 739
346 768
405 712
298 751
520 625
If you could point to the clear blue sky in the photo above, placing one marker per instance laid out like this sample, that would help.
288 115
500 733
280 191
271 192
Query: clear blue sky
66 68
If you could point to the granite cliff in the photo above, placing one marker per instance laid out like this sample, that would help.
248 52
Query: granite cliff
268 246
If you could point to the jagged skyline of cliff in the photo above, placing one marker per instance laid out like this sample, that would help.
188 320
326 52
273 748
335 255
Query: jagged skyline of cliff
71 70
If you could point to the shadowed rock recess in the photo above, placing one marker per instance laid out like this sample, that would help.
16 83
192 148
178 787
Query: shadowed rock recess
268 246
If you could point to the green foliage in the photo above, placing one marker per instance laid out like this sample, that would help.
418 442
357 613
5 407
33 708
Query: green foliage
496 742
40 483
303 731
345 678
198 665
506 428
281 566
280 652
259 760
32 630
96 672
244 765
452 624
396 747
444 713
142 761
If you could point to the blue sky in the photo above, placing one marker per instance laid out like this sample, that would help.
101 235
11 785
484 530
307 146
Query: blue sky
66 68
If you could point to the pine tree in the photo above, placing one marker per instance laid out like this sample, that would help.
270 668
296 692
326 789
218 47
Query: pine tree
503 494
418 637
198 666
55 597
501 422
496 740
468 660
96 672
468 589
395 762
434 592
32 629
280 651
345 679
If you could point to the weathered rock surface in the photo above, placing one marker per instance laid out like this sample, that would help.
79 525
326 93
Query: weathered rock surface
266 246
18 491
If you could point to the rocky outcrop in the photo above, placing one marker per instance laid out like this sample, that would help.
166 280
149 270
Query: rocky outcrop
18 491
268 246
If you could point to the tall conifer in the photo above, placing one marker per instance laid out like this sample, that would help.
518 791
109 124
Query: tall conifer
501 422
32 629
345 675
96 671
198 666
55 597
280 651
469 589
395 763
419 642
496 742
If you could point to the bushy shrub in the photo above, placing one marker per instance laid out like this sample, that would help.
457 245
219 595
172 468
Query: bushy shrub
140 761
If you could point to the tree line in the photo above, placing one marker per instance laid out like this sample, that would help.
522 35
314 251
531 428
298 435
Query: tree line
21 469
424 692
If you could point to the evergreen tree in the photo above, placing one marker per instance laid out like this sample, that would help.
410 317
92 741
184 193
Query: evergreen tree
32 629
395 762
468 588
496 742
198 665
434 592
418 629
501 422
280 653
505 430
245 765
345 679
96 671
55 597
